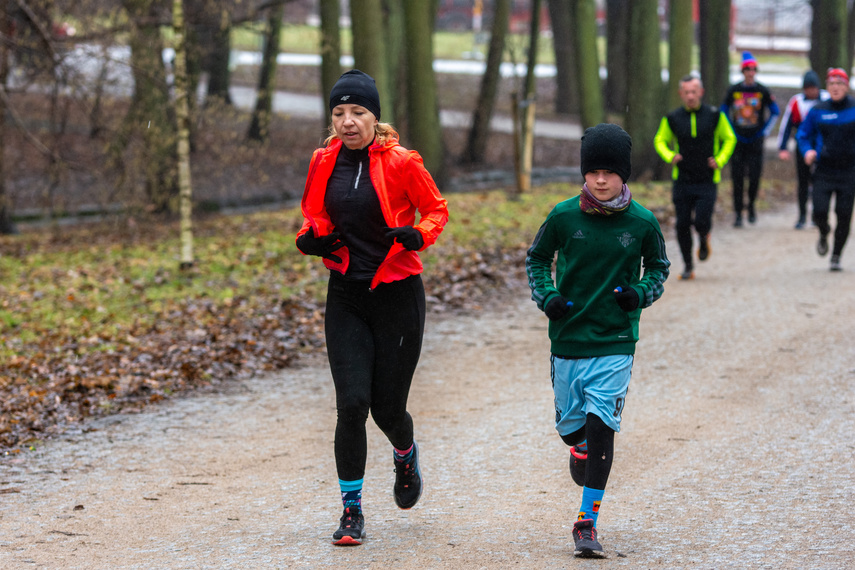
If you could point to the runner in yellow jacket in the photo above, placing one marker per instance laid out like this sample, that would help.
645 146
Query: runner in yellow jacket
697 140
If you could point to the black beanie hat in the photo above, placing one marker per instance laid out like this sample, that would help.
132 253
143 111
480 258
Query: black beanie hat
358 88
607 147
811 79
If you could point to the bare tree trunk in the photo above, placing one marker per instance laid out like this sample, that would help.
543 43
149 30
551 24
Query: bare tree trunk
850 36
330 50
7 226
483 114
645 76
828 41
396 61
617 55
151 113
715 45
562 14
219 73
259 128
423 106
588 65
681 39
369 49
182 118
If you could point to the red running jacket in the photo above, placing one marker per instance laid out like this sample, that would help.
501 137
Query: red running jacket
403 186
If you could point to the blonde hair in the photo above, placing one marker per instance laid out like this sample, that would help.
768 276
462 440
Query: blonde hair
383 133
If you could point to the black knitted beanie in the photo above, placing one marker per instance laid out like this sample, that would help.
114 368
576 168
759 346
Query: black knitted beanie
811 79
358 88
607 147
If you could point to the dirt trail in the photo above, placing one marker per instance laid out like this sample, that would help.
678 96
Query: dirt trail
737 446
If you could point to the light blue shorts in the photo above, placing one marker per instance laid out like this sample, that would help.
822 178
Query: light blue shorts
585 386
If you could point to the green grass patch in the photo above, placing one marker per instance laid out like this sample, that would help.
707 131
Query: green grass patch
108 288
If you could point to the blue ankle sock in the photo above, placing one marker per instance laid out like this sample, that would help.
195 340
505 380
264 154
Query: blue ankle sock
351 493
591 499
582 447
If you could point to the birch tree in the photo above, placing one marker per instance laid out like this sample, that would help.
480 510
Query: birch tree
182 118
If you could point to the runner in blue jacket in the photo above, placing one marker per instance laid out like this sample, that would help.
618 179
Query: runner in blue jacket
827 139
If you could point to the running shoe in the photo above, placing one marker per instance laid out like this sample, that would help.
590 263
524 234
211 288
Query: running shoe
752 215
408 480
578 460
800 225
822 245
737 223
835 263
351 528
704 250
687 275
585 537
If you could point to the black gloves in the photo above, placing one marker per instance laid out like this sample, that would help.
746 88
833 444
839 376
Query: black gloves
557 308
320 246
627 299
408 236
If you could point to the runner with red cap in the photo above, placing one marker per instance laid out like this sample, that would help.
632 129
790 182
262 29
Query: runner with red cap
827 139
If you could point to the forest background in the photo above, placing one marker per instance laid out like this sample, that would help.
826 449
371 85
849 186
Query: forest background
165 293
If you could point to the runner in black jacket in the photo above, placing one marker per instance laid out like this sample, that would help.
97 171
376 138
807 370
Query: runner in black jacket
751 109
698 141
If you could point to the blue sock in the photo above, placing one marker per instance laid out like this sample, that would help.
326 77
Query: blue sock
351 493
591 499
582 447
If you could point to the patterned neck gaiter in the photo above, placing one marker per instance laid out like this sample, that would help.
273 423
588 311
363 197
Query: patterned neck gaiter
590 205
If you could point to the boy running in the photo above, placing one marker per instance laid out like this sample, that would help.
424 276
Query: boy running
603 238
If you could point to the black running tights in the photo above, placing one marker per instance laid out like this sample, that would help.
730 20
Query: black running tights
747 158
803 173
374 339
601 450
823 188
693 206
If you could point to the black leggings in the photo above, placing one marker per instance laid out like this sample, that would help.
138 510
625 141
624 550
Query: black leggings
746 157
803 173
844 190
693 206
374 339
601 450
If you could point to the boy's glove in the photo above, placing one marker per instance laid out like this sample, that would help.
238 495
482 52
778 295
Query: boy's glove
408 236
557 308
627 299
320 246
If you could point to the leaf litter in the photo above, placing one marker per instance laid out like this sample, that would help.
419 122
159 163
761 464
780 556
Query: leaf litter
84 360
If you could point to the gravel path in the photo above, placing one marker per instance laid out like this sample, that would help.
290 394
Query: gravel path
736 451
